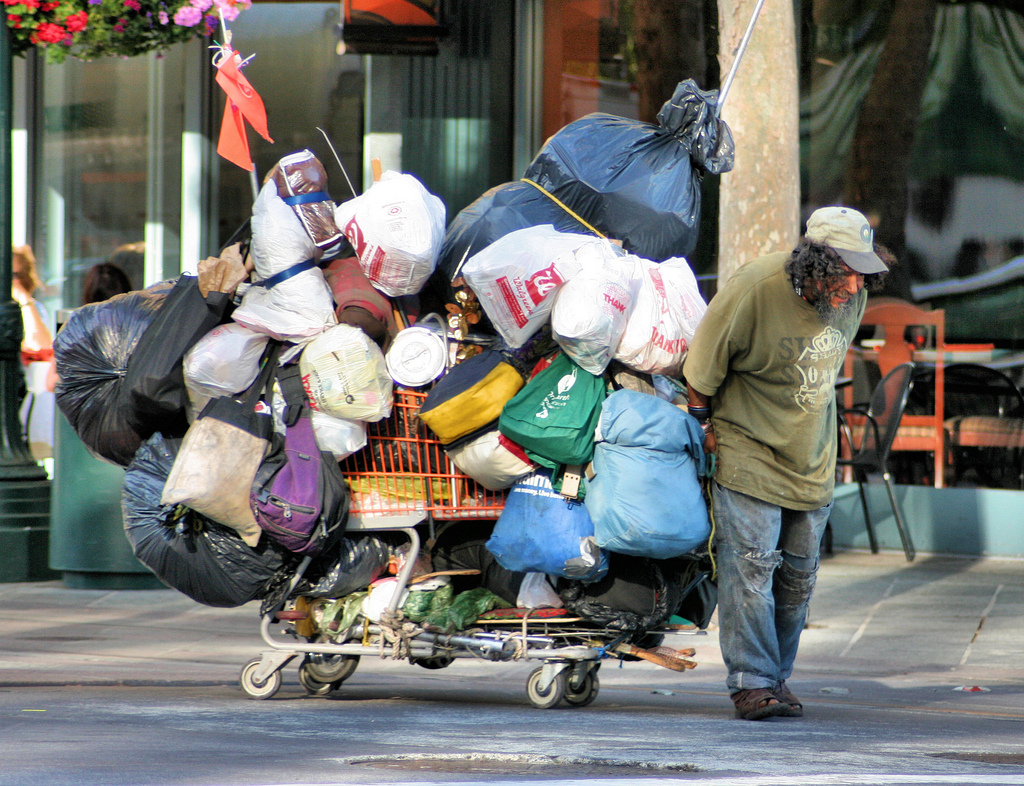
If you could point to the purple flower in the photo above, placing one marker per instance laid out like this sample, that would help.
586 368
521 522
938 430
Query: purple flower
95 2
211 24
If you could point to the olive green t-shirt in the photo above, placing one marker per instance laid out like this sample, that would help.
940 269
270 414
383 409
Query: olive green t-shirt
769 364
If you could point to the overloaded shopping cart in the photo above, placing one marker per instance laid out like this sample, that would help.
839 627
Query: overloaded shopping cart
402 482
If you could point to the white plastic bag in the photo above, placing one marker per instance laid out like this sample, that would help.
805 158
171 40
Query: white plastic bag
223 362
345 375
397 228
340 436
591 309
666 312
517 276
299 306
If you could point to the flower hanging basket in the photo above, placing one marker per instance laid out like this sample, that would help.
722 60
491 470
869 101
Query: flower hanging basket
88 29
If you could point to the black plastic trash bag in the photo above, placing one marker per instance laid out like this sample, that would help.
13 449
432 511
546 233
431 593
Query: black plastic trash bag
91 352
636 181
637 594
354 563
633 181
191 554
154 380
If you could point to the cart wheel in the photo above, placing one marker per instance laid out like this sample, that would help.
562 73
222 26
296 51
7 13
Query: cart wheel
439 662
330 669
254 688
312 685
546 699
583 692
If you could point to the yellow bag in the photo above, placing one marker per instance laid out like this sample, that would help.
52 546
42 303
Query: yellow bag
470 396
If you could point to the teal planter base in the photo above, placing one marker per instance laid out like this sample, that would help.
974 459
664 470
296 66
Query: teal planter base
111 581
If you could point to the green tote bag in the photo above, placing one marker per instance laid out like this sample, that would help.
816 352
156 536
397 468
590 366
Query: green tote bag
556 413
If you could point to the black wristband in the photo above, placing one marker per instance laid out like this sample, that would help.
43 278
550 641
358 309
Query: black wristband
700 413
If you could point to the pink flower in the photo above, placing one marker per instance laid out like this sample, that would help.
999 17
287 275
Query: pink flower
202 5
14 21
30 4
119 27
133 4
162 16
228 10
47 7
187 16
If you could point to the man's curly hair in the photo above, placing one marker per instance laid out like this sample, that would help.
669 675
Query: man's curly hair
817 262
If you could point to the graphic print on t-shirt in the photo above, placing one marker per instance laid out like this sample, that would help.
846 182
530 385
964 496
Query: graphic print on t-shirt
818 365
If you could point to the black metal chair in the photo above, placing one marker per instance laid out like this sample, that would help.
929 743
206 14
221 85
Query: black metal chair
983 420
880 419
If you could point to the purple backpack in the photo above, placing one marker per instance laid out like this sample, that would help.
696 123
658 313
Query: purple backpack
299 497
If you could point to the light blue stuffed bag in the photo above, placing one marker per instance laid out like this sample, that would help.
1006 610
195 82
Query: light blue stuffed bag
645 495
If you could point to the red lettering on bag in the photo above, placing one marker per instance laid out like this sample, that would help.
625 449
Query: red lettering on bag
542 282
376 263
515 310
309 392
615 303
355 236
673 346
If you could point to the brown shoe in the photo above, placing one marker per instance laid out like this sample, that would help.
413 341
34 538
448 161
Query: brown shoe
794 709
757 704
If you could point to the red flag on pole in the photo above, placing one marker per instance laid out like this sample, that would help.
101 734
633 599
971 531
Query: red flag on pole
233 144
242 102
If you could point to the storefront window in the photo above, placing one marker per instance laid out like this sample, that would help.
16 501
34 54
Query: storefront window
947 182
108 170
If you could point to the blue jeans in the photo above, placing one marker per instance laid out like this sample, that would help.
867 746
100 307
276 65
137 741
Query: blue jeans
767 564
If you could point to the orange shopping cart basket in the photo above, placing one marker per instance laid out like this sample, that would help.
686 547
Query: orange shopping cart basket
404 470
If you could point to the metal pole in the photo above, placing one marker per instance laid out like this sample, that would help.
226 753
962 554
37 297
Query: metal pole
739 56
24 486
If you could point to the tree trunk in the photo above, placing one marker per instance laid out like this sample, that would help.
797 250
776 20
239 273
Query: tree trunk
759 209
876 180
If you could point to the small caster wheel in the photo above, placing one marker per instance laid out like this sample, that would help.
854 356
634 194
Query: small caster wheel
253 687
549 697
580 693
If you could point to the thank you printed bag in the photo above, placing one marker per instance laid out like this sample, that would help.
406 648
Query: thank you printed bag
299 497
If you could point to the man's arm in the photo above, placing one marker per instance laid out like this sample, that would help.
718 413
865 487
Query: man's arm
700 407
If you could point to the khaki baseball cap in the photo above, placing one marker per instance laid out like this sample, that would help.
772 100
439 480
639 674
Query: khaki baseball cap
849 233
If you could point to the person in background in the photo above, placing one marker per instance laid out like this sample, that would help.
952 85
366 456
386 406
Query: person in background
36 402
131 258
760 374
37 343
103 281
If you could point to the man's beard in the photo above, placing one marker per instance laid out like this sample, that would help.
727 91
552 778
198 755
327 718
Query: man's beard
833 315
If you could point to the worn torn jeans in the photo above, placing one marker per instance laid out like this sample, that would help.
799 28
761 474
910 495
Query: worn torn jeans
767 563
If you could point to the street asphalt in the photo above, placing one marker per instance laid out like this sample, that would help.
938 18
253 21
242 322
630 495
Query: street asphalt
938 620
903 666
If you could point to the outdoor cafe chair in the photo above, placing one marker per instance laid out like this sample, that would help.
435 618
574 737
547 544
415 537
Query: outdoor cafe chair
984 423
877 426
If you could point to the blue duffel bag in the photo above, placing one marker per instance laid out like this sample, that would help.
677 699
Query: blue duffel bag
644 495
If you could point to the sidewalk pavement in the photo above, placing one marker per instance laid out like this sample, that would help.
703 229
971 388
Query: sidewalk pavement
939 623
